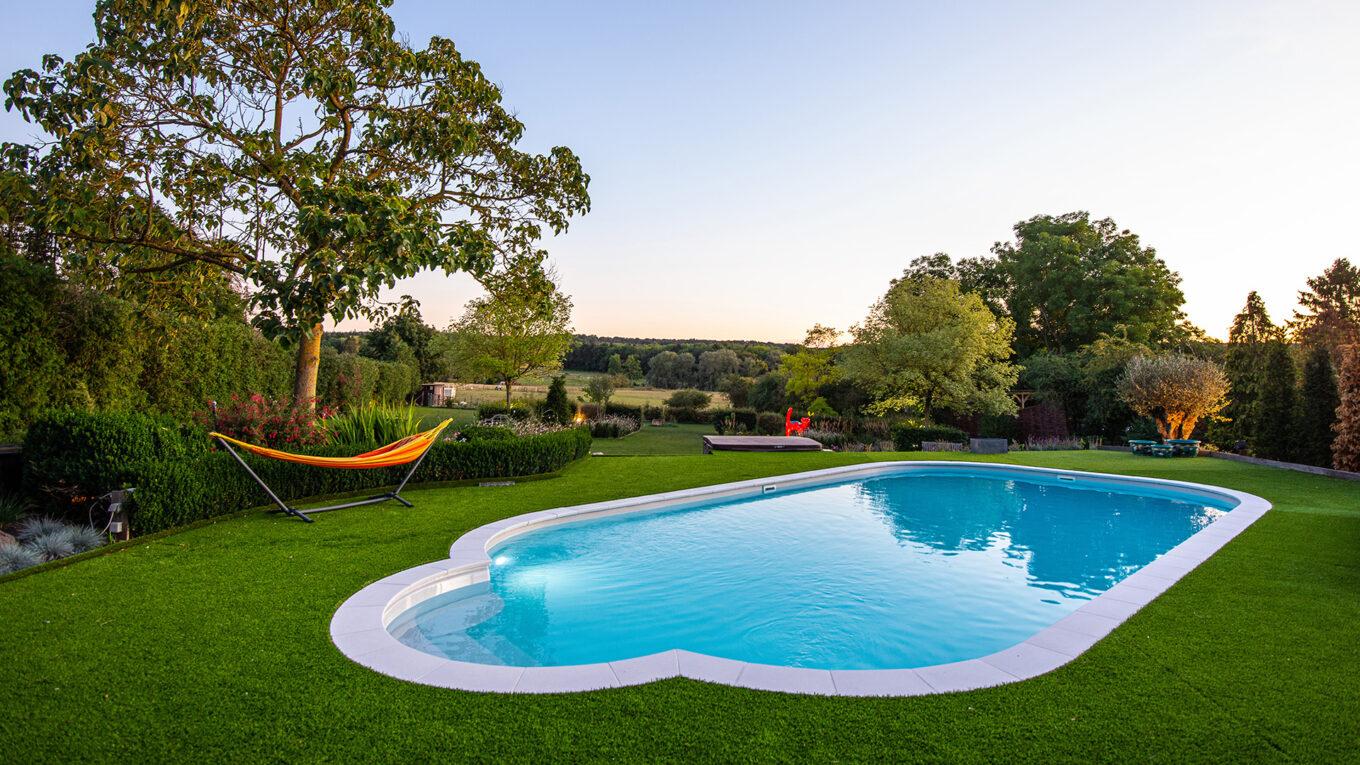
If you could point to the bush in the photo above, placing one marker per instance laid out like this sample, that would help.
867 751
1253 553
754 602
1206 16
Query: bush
689 416
613 426
623 410
650 412
908 438
733 421
77 456
688 399
770 424
175 492
557 406
518 410
272 422
485 433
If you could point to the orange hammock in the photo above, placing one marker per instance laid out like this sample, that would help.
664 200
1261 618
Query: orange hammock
408 449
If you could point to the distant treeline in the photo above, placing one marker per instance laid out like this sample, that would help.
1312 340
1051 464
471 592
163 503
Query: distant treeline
592 353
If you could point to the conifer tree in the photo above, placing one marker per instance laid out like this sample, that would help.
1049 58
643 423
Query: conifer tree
1318 402
1274 421
1248 340
1346 447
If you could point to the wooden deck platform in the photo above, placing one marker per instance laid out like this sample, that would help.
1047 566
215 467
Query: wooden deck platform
760 444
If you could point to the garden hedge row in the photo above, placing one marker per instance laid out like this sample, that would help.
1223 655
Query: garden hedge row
178 480
908 438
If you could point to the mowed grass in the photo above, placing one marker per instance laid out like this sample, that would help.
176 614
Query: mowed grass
664 439
211 645
575 390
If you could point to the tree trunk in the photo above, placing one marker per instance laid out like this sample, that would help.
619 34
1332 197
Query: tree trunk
507 395
308 363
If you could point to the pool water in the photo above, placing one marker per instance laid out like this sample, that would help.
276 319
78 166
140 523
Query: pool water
881 573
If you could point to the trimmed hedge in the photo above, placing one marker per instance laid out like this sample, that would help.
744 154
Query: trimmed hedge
623 410
73 455
908 438
179 492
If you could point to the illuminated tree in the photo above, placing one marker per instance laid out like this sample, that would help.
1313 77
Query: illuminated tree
1175 391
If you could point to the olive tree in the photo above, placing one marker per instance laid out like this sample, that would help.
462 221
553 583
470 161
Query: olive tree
302 146
1175 391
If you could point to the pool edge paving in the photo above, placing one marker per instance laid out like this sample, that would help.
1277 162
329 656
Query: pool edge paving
359 626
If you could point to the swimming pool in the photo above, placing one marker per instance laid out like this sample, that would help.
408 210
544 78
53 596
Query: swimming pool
890 578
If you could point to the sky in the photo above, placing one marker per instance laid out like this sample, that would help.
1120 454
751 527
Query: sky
758 167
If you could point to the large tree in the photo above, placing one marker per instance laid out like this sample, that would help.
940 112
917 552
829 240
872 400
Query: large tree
510 334
1249 340
302 146
1318 401
925 344
1072 279
1274 433
1331 308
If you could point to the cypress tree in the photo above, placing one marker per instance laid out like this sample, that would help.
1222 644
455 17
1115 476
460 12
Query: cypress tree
1249 340
558 405
1318 401
1346 447
1275 406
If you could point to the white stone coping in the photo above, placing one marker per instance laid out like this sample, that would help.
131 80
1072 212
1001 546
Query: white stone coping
359 627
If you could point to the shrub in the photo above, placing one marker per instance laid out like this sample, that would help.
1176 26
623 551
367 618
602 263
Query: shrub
650 412
688 399
485 433
557 406
733 420
75 456
517 410
273 422
173 493
689 416
829 439
908 438
770 424
1346 447
371 424
1054 444
613 426
15 557
624 410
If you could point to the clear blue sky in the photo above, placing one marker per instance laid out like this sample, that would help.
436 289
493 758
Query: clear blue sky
758 167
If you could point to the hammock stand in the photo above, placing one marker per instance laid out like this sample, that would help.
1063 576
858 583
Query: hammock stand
410 449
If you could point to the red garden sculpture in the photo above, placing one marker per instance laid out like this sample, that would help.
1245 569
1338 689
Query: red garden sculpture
792 428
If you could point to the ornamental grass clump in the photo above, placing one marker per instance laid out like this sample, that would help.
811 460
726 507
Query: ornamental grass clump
37 526
14 557
12 508
372 424
57 543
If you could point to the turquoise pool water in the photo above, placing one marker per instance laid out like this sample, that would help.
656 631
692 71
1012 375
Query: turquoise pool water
881 573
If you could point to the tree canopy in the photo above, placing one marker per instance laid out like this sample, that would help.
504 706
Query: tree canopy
1175 391
509 335
926 344
1070 280
1331 308
302 146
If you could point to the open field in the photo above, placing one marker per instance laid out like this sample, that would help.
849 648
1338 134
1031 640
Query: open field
212 644
575 383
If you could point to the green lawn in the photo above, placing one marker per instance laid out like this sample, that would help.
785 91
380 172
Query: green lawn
667 439
211 645
431 416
